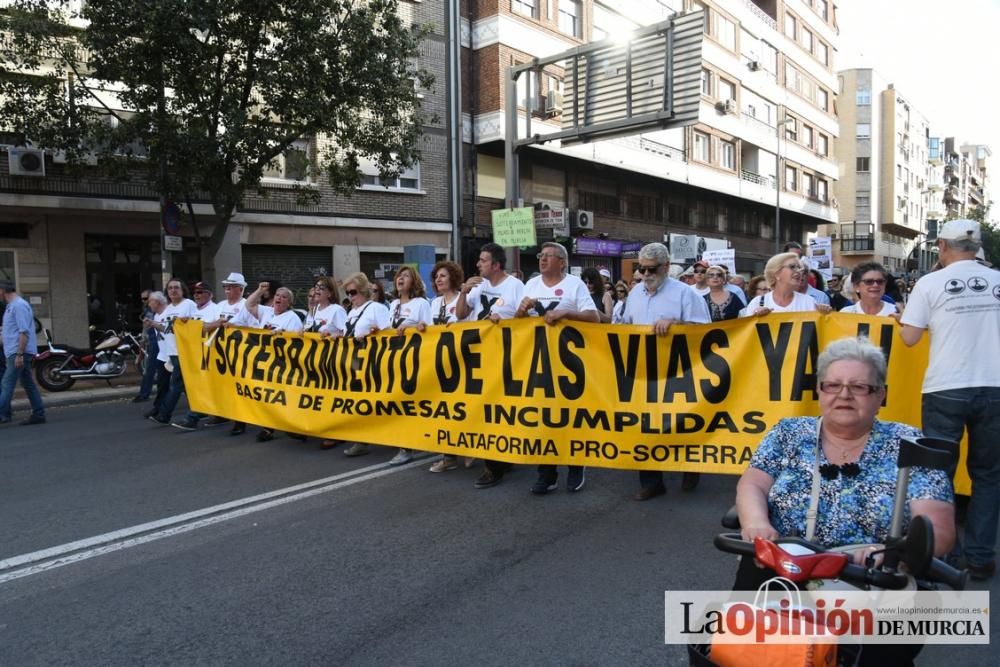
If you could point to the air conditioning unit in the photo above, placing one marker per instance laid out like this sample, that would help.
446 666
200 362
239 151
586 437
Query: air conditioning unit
753 65
26 161
582 220
728 106
553 102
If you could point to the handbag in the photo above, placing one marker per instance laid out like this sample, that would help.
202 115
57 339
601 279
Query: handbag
772 652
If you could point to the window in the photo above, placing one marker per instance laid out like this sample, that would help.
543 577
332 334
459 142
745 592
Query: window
8 267
791 77
791 179
791 128
823 53
864 97
706 82
823 99
525 83
822 144
408 179
821 189
726 32
863 164
807 136
823 9
807 40
790 26
769 58
728 155
292 165
727 90
809 184
525 7
569 17
863 201
864 131
702 152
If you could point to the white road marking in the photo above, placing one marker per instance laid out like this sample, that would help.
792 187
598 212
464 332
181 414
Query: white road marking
36 562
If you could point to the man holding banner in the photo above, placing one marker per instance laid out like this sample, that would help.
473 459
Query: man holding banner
493 295
554 295
661 302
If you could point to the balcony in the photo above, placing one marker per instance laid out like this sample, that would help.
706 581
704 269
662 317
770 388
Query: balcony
857 238
761 14
752 177
758 124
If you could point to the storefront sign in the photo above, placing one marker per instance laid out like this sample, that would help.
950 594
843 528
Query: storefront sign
597 247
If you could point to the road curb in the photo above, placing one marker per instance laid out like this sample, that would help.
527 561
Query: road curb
82 397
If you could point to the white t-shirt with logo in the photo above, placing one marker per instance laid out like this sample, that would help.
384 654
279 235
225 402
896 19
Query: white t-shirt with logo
208 313
570 294
486 298
447 316
801 303
960 307
417 309
168 344
855 309
286 321
371 316
227 311
331 319
244 318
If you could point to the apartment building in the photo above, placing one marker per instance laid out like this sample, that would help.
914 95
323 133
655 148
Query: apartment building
82 249
885 185
766 65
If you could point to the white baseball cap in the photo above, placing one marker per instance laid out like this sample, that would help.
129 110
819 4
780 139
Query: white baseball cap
956 230
235 279
604 272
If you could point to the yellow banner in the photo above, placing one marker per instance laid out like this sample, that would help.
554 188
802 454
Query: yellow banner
616 396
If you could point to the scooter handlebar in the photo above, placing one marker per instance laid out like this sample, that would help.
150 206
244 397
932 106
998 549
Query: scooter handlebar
853 574
938 570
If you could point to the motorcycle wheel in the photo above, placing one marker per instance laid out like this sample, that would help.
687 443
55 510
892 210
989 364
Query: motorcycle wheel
47 374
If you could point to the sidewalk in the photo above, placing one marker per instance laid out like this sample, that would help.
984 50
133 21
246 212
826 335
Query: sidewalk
84 391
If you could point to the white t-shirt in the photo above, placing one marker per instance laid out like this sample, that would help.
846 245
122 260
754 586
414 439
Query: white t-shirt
486 298
673 300
286 321
618 312
960 306
570 294
447 316
245 319
701 291
208 313
855 309
168 344
371 316
228 311
417 309
331 319
801 303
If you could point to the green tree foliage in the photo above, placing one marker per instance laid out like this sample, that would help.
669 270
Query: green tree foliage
203 96
991 232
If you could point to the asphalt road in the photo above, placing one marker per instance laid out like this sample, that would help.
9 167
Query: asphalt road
369 566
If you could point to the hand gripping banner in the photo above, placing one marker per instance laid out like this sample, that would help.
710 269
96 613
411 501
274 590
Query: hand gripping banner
616 396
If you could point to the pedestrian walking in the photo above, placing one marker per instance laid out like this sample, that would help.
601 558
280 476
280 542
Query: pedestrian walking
19 349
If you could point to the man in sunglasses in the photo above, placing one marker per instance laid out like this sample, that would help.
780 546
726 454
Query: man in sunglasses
660 302
959 306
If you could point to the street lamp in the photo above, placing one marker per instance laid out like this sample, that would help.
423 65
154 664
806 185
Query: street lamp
778 175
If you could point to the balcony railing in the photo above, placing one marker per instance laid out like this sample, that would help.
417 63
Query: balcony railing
54 185
657 148
759 124
857 243
766 181
761 14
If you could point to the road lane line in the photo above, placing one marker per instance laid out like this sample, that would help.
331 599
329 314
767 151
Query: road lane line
73 552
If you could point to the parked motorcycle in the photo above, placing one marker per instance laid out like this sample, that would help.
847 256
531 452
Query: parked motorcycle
60 366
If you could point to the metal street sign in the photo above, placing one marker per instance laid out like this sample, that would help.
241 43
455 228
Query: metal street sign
173 243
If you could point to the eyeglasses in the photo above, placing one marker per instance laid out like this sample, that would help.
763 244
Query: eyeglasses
550 255
321 288
715 274
699 271
621 291
854 389
873 281
201 291
351 292
794 267
646 270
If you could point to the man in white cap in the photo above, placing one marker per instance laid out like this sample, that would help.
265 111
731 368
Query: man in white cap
233 287
960 306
